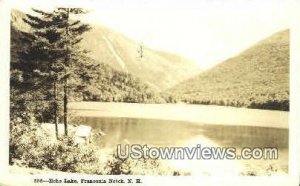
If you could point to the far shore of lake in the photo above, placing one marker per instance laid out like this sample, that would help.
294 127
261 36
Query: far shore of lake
203 114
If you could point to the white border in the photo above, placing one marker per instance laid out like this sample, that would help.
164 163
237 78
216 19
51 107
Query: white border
4 83
294 153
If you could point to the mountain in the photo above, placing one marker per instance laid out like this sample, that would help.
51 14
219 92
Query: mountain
160 70
256 78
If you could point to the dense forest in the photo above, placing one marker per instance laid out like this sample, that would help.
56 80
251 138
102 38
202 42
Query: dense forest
111 85
256 78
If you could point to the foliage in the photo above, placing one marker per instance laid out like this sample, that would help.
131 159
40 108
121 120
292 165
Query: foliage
257 78
115 86
20 124
35 151
143 166
49 62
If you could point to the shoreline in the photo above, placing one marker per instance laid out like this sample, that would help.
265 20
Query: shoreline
204 114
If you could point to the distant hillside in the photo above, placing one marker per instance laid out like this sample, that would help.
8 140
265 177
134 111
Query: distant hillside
160 70
256 78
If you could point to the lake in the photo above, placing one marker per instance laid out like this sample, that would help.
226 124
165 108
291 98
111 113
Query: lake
186 125
162 133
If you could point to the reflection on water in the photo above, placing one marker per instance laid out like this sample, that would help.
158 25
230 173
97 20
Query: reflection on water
174 133
181 133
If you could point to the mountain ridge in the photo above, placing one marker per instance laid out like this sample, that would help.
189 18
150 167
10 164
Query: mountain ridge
159 69
257 78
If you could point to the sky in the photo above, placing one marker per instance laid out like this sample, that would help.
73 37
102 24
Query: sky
205 31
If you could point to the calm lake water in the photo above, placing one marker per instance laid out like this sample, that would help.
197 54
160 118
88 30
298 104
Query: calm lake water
179 133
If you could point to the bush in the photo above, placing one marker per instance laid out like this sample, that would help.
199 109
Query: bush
31 145
20 124
35 150
118 166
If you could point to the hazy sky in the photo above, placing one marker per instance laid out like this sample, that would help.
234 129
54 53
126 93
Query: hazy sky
206 31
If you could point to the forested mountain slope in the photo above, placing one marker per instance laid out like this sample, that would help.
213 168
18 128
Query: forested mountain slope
256 78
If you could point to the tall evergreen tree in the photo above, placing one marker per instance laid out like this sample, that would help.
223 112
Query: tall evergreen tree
54 59
74 56
40 61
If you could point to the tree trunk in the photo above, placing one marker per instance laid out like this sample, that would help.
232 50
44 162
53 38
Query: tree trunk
56 109
66 107
66 79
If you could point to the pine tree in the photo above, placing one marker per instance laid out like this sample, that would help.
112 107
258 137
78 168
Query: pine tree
75 59
40 61
54 58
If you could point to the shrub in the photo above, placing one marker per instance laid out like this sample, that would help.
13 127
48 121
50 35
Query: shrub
33 149
20 124
143 166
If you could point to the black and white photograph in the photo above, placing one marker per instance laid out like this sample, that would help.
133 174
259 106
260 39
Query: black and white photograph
137 88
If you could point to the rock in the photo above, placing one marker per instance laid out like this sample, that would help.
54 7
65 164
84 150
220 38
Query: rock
83 134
